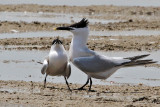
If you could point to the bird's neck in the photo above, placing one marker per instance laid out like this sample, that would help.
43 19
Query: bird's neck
79 41
57 48
78 46
80 38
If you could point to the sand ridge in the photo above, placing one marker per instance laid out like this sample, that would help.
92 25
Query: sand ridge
20 93
103 43
131 18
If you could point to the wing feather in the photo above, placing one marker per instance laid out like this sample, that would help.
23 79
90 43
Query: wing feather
68 70
45 66
96 63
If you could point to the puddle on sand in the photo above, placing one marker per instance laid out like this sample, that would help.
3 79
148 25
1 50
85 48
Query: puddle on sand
35 34
6 104
12 90
30 70
126 33
49 17
67 34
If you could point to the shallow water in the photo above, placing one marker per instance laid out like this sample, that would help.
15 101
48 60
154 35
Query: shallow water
126 33
35 34
22 65
68 34
86 2
49 17
4 104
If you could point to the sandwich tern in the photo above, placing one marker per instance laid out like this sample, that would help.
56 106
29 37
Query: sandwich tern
56 63
91 63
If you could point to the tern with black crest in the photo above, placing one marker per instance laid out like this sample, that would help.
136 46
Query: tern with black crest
93 64
56 63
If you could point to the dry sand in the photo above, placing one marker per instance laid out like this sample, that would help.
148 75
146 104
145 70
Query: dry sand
103 43
33 94
6 26
16 93
132 17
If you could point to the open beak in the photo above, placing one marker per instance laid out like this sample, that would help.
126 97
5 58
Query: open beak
63 28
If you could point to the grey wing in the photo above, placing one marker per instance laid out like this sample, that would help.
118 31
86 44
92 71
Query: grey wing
45 66
68 70
96 63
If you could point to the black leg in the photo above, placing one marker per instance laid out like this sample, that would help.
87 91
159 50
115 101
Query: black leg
81 88
90 84
45 81
67 84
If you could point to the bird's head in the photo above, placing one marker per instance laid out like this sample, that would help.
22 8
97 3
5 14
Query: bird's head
57 44
76 28
56 41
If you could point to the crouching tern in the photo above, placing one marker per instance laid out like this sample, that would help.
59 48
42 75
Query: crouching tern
56 63
91 63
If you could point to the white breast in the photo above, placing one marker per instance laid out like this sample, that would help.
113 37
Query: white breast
57 63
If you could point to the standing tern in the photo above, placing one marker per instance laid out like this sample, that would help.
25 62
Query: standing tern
91 63
56 63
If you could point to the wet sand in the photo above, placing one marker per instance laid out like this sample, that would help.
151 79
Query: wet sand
7 26
103 43
132 17
32 93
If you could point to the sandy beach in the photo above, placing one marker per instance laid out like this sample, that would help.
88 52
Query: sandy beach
103 43
32 94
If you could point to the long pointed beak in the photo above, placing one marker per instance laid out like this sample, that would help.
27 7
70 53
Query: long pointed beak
63 28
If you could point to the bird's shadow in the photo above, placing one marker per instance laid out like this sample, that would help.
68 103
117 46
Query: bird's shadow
85 90
119 92
53 88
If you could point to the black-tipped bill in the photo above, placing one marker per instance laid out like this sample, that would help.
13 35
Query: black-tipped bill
64 28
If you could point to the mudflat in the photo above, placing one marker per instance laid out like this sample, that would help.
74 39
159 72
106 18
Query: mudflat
33 94
21 93
102 43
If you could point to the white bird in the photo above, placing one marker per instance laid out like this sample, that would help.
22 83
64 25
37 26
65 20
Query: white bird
56 63
91 63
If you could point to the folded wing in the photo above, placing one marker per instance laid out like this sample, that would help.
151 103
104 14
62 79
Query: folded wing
97 63
45 66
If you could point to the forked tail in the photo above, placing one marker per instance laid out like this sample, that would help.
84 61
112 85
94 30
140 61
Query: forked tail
135 61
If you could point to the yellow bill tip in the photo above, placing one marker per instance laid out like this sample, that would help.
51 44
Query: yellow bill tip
55 28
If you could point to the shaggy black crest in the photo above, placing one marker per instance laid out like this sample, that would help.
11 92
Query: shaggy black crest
56 41
83 23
